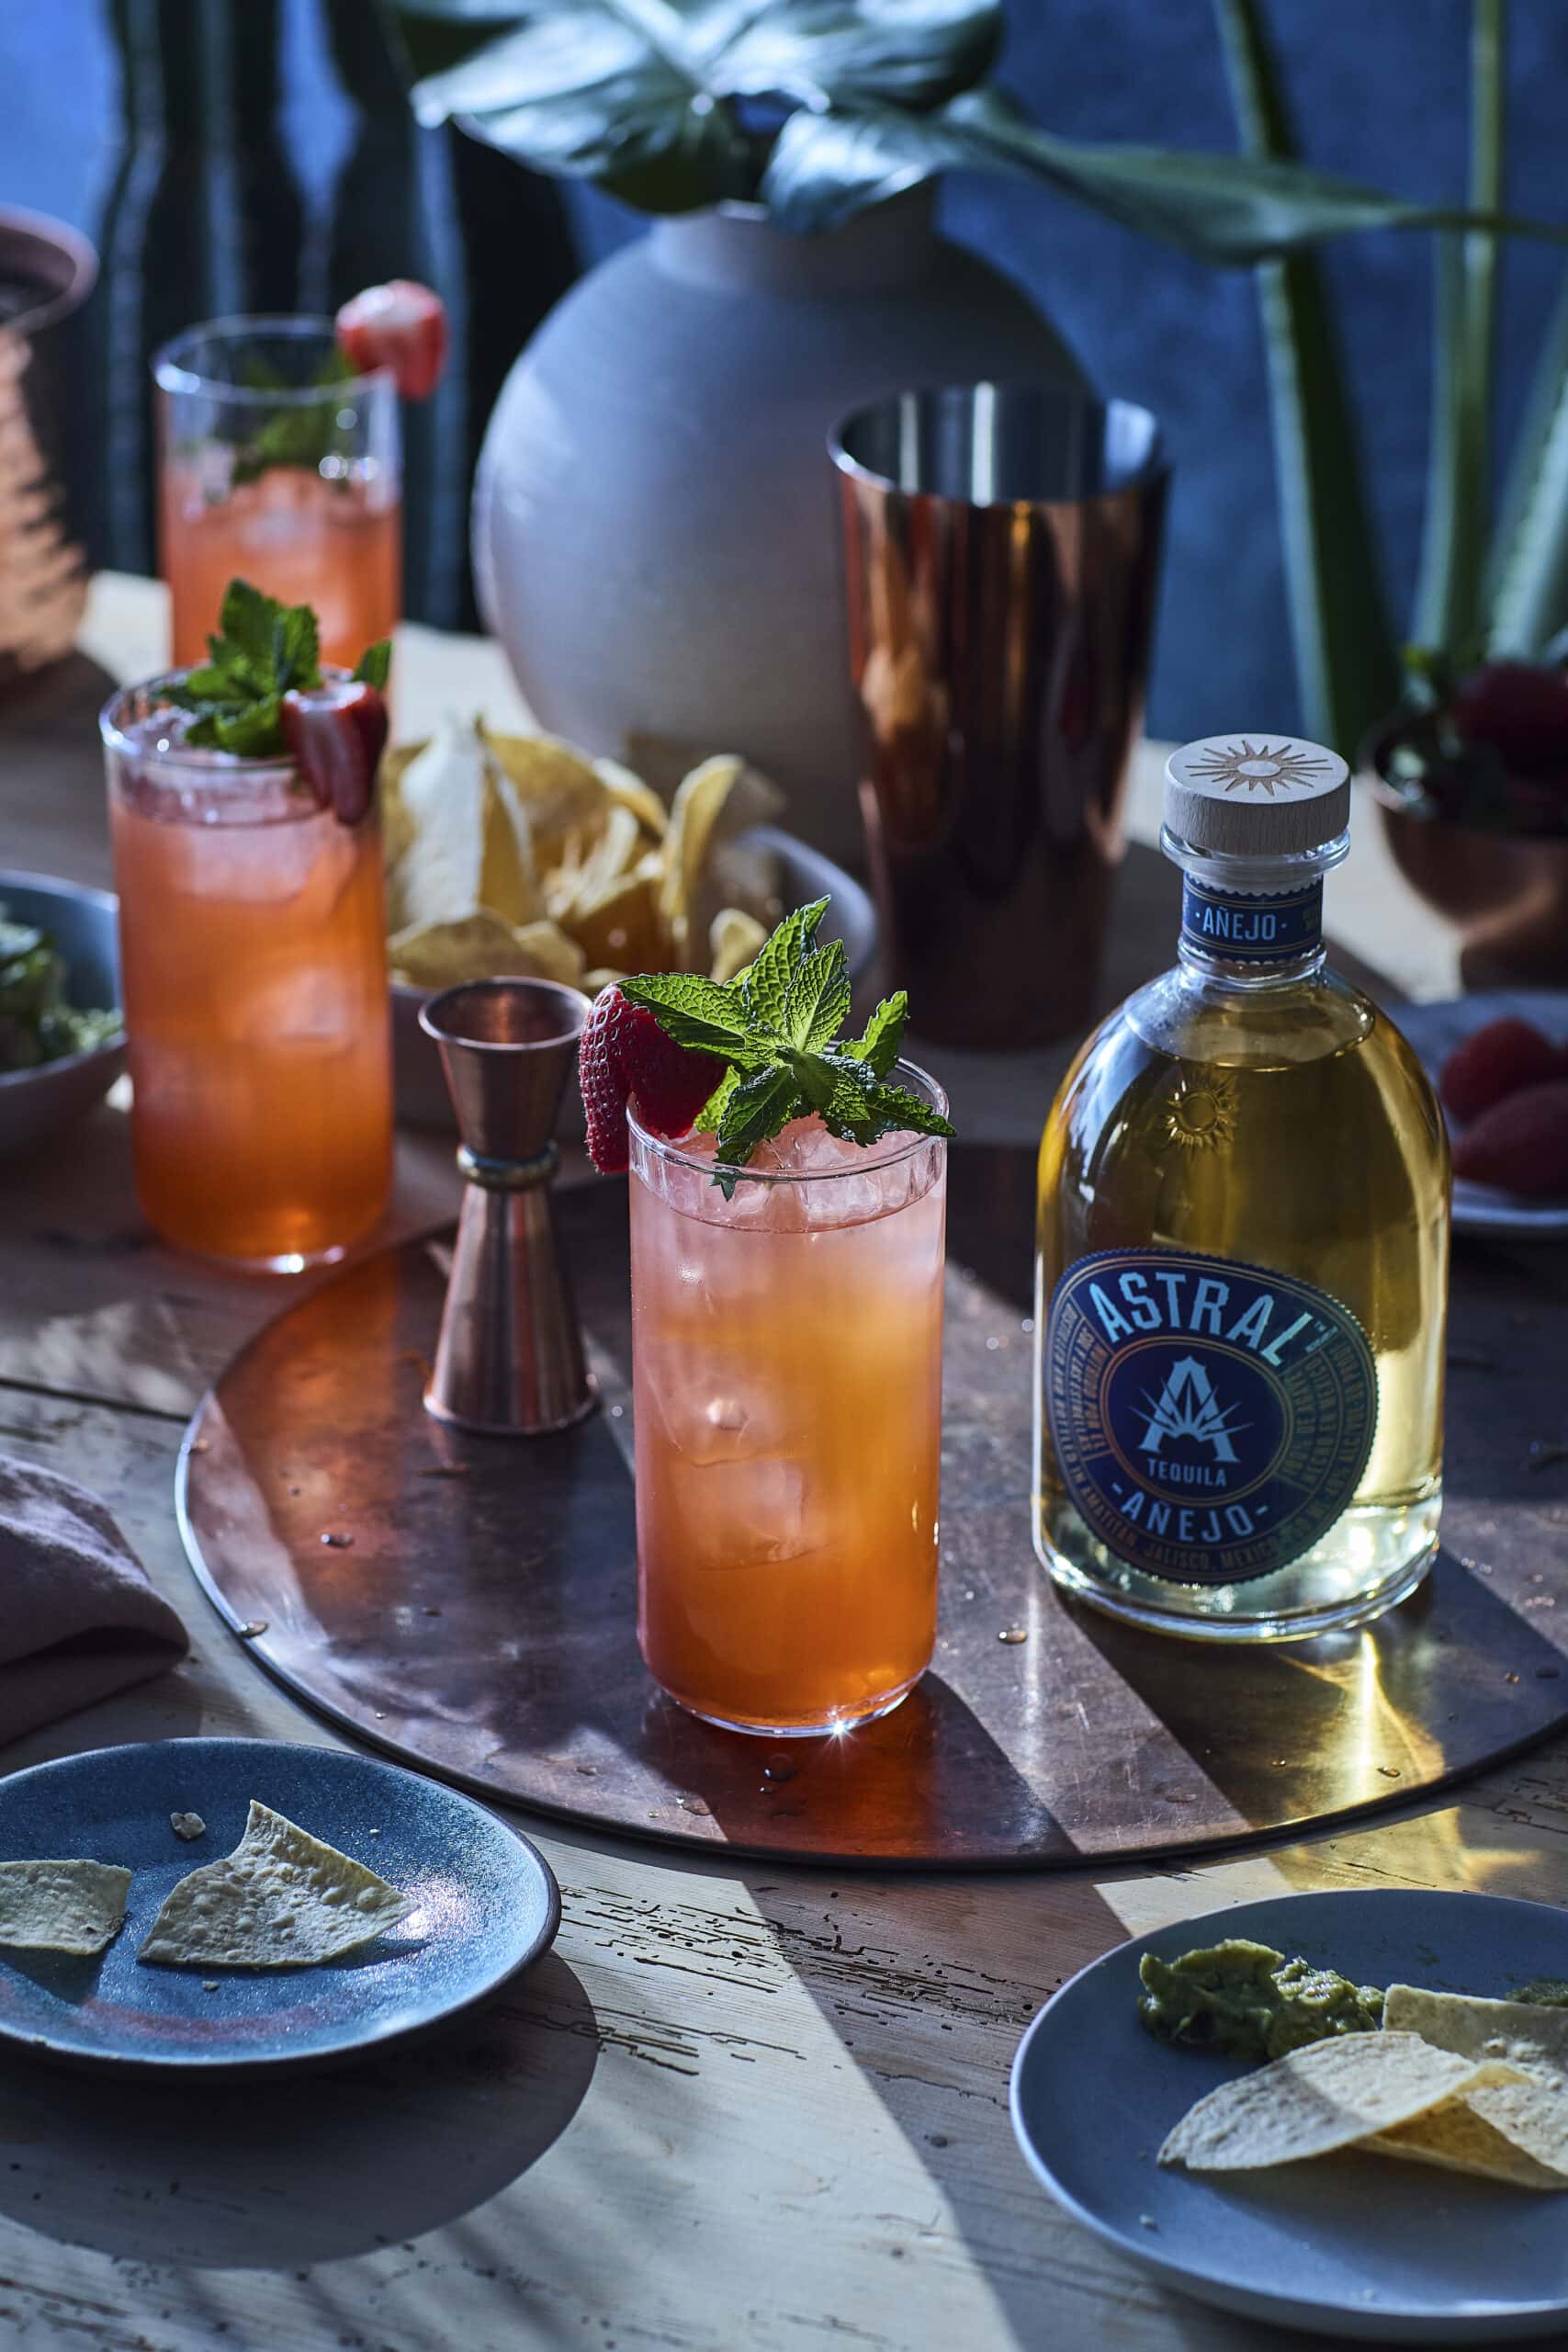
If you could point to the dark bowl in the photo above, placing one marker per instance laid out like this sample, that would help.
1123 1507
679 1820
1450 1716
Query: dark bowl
804 875
1505 893
83 924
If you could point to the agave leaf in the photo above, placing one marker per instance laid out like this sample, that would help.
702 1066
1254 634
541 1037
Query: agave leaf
1463 337
1347 662
1528 577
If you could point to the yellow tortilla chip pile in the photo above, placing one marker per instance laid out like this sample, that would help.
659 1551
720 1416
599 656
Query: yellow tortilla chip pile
519 854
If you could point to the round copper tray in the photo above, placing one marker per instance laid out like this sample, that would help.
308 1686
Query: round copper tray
467 1604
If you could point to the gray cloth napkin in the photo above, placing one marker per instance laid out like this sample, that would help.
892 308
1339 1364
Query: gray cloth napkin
78 1618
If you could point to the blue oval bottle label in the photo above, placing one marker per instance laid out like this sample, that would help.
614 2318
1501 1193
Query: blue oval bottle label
1210 1420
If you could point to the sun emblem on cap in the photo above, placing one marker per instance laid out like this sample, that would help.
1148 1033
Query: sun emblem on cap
1258 767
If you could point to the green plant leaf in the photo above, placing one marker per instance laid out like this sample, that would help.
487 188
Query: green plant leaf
1463 335
817 1003
639 94
1226 209
1526 591
1346 658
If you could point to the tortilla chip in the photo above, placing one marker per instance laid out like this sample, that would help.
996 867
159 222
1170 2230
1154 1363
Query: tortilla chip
62 1907
557 784
1456 2137
621 926
282 1899
551 955
469 845
717 800
482 947
734 938
397 825
628 791
1529 2115
1328 2096
595 864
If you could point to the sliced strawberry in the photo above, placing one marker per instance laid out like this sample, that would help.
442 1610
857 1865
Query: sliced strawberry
1521 709
1495 1062
335 735
401 325
624 1057
1520 1143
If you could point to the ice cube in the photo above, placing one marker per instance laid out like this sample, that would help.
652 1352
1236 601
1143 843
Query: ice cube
756 1511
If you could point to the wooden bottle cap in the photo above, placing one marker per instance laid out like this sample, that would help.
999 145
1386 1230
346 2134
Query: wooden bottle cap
1256 795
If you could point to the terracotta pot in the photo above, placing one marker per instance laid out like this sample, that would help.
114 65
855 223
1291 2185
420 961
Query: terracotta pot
46 274
1506 892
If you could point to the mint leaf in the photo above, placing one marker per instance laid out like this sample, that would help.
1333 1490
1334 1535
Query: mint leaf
375 664
775 1026
817 1002
706 1016
711 1116
263 652
761 1106
878 1048
245 626
298 432
296 648
767 983
897 1112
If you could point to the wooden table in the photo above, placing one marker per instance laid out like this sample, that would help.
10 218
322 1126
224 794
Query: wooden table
736 2107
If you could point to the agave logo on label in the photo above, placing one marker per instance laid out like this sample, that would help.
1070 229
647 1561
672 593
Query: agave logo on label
1210 1420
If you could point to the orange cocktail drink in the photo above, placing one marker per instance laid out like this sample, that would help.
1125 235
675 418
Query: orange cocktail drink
277 465
787 1376
253 960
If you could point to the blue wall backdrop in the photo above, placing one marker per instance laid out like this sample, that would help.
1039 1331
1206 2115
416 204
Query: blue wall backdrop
1380 94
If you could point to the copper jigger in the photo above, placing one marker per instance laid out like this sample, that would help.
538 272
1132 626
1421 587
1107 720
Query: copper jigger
1001 551
509 1361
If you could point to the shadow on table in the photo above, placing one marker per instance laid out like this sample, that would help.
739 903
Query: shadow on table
302 2169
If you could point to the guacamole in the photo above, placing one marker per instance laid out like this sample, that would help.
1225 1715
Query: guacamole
1251 2002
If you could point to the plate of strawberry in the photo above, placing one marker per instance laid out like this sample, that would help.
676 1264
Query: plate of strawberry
1500 1064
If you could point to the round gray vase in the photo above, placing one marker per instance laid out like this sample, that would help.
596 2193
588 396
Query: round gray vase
654 526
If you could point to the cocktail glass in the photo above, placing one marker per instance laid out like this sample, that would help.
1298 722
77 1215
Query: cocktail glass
254 966
786 1350
274 469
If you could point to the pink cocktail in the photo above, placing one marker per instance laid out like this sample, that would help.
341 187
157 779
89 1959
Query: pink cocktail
788 1374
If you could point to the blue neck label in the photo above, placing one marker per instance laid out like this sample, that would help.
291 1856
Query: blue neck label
1247 927
1210 1419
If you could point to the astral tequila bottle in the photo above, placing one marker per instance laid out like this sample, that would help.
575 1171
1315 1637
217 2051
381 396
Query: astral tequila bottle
1243 1249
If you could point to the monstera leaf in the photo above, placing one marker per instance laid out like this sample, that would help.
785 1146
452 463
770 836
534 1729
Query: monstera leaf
648 97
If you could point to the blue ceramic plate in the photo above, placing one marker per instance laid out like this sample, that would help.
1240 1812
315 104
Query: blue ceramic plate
1354 2245
488 1906
1435 1030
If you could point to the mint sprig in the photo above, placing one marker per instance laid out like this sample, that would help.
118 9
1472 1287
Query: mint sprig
296 433
777 1025
263 651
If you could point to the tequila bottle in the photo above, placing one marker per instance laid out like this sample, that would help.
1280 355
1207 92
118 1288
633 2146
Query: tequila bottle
1243 1250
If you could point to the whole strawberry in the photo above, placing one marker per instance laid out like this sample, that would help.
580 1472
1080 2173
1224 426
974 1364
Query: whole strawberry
624 1058
1498 1060
1520 1143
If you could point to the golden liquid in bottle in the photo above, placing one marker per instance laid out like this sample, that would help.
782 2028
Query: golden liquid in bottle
1292 1128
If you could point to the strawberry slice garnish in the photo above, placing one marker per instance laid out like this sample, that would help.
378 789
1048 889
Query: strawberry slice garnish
401 325
335 734
624 1058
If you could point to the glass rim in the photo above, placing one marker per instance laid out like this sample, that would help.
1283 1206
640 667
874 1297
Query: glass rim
668 1148
171 375
234 763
